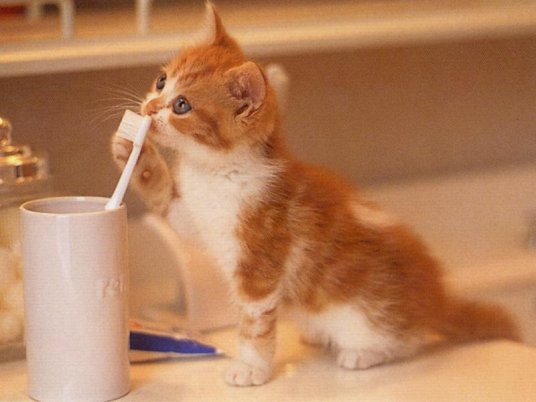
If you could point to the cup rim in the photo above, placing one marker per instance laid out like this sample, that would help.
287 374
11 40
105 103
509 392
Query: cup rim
29 207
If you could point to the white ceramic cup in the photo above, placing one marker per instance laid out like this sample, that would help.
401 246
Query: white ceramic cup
75 297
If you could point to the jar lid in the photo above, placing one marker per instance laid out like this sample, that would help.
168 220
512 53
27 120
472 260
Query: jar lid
18 163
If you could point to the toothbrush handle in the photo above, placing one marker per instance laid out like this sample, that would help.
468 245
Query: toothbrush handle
119 192
122 184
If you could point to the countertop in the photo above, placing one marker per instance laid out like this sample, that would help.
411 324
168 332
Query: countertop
486 371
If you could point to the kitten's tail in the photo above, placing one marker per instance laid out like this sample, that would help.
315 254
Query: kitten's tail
467 321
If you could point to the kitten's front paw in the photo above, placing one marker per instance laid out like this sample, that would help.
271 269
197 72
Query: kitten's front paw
121 149
244 375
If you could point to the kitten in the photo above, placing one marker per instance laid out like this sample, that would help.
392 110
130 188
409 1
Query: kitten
285 234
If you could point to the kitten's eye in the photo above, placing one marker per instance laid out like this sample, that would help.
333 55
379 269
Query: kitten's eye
181 105
161 82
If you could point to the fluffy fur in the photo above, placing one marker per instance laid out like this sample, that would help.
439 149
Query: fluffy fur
287 235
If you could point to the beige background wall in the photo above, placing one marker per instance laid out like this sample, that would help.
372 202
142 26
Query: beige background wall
374 115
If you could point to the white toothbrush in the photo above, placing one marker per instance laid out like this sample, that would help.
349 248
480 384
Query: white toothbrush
133 127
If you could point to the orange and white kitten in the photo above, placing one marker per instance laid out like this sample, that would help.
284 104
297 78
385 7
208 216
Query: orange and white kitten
285 234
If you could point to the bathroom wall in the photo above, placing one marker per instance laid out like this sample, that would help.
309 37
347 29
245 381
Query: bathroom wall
374 115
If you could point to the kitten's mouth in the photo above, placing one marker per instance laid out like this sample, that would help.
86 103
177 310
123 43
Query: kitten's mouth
156 127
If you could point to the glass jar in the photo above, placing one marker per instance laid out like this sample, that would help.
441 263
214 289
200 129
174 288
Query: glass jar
24 175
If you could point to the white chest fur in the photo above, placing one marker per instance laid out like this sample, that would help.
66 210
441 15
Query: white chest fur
213 202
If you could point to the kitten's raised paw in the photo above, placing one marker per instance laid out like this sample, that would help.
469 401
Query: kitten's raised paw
244 375
359 359
121 149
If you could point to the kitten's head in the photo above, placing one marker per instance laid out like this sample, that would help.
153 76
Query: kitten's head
210 98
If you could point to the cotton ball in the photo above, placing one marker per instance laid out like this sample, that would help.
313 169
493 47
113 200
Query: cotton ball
13 299
8 268
10 327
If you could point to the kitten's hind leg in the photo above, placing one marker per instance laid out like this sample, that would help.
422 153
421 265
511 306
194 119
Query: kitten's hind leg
362 358
358 343
314 339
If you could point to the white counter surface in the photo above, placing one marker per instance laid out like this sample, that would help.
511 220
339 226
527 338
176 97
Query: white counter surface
491 371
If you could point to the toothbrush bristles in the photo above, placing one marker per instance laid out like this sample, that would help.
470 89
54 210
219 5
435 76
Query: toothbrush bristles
133 127
129 125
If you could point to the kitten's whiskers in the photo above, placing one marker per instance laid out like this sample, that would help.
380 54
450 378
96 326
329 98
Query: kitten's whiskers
113 106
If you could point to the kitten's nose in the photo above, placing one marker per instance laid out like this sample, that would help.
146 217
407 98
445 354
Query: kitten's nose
153 106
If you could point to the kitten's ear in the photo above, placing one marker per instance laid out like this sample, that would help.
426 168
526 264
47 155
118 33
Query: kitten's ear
213 31
247 85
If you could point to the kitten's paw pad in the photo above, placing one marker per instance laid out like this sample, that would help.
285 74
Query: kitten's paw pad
121 149
244 375
359 359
